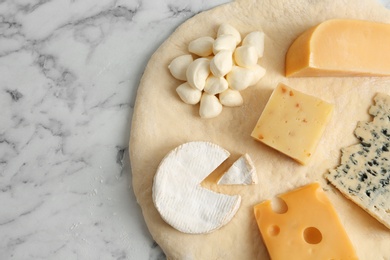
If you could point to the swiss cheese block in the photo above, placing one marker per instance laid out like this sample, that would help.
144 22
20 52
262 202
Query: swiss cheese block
292 122
307 227
364 173
341 47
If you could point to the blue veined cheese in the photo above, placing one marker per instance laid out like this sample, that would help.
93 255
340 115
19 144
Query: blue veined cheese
364 173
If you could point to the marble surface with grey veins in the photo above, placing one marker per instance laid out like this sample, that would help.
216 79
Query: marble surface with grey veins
69 71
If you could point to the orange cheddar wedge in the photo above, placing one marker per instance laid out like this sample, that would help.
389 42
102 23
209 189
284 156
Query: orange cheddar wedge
341 47
306 227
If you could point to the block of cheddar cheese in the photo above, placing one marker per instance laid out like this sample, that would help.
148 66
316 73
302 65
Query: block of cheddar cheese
341 47
292 122
306 227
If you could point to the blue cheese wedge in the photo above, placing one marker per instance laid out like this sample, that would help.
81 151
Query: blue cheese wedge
364 173
242 172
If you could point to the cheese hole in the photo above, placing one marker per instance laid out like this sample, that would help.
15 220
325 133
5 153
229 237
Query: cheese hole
278 205
312 235
274 230
321 196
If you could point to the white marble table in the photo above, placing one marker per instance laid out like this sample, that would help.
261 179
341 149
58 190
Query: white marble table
69 72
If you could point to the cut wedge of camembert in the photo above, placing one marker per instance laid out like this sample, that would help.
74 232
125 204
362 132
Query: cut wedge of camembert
364 173
178 195
242 172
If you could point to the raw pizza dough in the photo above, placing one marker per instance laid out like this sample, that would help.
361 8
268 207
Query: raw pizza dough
161 121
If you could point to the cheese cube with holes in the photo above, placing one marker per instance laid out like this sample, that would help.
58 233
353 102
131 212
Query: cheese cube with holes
304 225
293 122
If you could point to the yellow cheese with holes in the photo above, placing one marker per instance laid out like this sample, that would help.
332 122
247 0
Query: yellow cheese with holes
341 47
306 226
293 122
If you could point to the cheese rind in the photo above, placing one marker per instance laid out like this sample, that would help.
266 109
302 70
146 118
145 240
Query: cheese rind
293 122
178 195
242 172
364 173
341 47
309 228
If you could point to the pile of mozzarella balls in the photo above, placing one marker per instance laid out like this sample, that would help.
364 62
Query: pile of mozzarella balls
216 70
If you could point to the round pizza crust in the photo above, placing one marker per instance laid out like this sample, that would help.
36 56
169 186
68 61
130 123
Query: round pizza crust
161 122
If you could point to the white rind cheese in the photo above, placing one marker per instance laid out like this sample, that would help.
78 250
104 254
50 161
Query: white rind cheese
242 172
364 173
178 195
